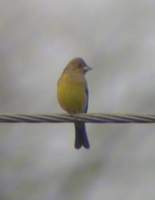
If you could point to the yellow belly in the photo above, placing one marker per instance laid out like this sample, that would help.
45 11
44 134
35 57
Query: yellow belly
71 96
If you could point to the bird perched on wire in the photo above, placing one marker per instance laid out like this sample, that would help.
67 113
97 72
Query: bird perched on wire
72 93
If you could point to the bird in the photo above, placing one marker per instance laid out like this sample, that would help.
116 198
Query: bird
72 94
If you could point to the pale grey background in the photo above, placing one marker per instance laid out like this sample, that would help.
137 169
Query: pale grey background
37 39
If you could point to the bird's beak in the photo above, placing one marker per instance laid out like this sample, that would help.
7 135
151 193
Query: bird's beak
87 68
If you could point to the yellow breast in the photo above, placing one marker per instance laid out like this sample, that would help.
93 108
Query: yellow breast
71 93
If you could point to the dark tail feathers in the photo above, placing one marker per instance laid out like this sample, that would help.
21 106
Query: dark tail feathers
81 138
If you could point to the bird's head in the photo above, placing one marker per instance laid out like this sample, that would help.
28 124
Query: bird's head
78 65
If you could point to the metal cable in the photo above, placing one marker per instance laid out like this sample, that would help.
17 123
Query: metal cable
89 118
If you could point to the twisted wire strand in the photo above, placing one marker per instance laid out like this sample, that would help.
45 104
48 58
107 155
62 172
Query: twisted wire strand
89 118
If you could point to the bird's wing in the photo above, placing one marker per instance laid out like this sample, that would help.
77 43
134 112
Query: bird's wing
86 100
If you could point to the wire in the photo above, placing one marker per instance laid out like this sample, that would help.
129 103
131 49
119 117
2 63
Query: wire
89 118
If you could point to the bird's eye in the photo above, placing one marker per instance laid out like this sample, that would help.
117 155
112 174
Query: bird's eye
80 66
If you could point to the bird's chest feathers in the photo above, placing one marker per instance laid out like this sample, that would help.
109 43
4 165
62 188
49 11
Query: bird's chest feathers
71 93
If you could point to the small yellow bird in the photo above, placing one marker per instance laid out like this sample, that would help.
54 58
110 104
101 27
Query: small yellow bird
72 93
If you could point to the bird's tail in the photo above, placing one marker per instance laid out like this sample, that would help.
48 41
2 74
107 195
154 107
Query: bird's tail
81 138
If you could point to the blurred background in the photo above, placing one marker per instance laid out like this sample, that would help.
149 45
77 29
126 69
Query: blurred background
117 39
